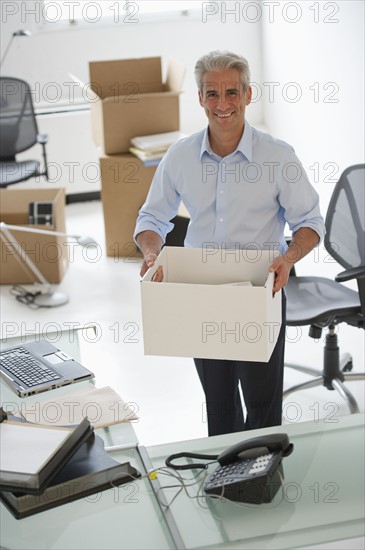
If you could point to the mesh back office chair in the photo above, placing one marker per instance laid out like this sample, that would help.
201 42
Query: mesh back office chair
321 302
18 132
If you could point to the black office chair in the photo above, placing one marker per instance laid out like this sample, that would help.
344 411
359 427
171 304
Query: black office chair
18 132
321 302
176 237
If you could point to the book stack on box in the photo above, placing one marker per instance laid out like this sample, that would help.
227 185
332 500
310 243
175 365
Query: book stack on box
42 467
151 149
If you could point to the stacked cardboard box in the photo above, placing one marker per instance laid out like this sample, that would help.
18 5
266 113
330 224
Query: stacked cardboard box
129 99
125 184
49 253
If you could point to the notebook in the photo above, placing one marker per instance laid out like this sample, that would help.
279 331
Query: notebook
39 366
32 455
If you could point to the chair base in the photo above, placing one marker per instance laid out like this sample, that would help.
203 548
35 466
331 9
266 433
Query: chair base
51 299
334 374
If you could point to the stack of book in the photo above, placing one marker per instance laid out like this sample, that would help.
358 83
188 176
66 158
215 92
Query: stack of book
42 467
151 149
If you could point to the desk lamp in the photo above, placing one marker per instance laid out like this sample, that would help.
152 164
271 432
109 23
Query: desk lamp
48 297
16 33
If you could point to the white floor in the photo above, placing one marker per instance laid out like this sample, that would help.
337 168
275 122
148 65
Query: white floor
165 392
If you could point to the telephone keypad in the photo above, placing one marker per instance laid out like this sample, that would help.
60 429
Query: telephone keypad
260 463
239 470
226 474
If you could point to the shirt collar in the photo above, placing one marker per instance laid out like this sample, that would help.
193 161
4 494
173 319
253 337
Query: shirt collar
244 146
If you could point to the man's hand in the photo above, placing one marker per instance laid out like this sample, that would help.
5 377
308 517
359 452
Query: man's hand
150 244
158 275
303 241
148 262
281 267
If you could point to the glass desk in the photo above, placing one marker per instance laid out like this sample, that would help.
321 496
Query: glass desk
322 498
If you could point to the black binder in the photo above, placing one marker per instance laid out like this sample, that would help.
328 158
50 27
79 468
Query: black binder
89 471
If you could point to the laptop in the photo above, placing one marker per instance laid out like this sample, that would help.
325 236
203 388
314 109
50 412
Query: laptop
39 366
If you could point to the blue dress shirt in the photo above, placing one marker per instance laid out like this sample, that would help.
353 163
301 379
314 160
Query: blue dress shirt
240 201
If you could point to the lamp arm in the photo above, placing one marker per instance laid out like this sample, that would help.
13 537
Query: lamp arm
22 256
4 226
7 49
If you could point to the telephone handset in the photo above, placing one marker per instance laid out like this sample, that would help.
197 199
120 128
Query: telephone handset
272 442
250 471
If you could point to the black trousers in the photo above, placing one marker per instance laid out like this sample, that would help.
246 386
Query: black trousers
261 384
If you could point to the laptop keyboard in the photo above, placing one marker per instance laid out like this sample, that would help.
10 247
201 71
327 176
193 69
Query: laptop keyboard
26 368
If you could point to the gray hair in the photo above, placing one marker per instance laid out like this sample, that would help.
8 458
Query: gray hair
220 60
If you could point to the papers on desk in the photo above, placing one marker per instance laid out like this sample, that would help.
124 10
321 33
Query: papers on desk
103 407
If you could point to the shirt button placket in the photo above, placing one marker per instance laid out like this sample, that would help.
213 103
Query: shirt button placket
220 199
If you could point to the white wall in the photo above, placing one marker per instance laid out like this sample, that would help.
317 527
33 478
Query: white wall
325 62
48 56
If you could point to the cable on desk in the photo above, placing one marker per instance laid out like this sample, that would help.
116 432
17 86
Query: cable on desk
184 484
192 466
181 486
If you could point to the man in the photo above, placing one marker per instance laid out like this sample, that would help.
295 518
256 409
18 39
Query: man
240 186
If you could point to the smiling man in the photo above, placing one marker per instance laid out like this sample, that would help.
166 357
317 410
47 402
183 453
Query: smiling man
224 99
240 187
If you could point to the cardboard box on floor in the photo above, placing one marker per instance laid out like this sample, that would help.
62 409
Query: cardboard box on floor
195 313
125 182
129 99
49 253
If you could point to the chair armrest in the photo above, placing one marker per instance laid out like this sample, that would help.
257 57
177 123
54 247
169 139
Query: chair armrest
42 139
353 273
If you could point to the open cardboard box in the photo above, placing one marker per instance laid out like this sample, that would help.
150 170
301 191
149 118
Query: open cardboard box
48 252
129 98
195 313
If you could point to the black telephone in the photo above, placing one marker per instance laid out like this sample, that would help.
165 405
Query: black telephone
250 471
